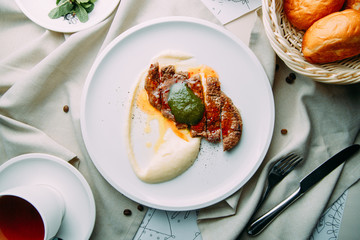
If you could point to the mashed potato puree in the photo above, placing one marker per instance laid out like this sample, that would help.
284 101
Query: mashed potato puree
157 150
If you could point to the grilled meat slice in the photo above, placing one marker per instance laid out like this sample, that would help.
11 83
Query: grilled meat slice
166 81
221 117
194 83
231 123
181 77
212 102
152 86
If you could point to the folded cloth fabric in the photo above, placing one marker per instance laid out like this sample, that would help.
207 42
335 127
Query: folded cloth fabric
42 71
349 228
320 120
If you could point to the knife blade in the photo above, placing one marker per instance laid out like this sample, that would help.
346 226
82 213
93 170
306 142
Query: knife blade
305 184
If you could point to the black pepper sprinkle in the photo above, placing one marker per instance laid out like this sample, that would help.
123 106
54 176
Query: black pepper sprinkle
140 208
284 131
127 212
66 108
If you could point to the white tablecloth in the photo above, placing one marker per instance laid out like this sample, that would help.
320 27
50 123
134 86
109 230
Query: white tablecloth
41 71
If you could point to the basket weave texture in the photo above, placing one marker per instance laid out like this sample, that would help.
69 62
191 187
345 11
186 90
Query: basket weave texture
286 41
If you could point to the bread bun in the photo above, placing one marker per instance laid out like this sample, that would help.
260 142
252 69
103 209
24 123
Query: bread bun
332 38
352 4
303 13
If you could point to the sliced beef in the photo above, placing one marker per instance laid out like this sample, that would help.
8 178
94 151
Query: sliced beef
166 81
231 123
212 102
221 117
152 86
194 83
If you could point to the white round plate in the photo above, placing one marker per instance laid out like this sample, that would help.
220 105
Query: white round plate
215 174
37 168
38 10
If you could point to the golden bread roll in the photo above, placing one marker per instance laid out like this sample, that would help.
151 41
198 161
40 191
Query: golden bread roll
352 4
334 37
303 13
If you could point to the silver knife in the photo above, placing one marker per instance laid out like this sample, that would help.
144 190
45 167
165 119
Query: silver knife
305 184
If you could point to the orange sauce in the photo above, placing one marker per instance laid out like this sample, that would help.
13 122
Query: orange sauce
203 69
164 123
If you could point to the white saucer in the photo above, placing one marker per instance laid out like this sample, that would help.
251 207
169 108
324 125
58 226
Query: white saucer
37 168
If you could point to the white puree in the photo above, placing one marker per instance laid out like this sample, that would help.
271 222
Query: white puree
170 155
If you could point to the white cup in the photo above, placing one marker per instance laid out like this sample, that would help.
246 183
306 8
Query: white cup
34 210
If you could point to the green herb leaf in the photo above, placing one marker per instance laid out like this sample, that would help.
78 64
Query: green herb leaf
85 5
62 9
59 2
82 1
81 13
88 7
79 7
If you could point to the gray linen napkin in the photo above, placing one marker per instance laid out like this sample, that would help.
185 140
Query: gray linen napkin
42 71
320 120
18 108
350 219
40 74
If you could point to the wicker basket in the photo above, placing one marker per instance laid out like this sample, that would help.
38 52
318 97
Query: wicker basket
286 42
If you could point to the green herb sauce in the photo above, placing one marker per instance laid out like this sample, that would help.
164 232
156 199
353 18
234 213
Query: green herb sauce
185 105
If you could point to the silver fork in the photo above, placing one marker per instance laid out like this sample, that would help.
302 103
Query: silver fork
277 173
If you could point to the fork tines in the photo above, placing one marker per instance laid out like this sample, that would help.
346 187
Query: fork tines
288 163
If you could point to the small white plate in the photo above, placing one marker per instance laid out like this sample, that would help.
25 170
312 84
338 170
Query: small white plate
37 168
215 174
38 10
